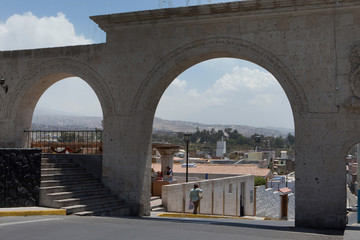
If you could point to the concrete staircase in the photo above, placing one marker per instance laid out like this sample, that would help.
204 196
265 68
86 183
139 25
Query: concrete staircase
66 185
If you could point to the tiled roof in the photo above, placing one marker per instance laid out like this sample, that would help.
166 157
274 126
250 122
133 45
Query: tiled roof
218 169
285 190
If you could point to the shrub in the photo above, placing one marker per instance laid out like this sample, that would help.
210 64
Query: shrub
259 181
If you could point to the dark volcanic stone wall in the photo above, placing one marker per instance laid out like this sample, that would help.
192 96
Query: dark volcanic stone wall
20 173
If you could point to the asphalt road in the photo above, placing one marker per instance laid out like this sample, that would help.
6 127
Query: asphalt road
104 228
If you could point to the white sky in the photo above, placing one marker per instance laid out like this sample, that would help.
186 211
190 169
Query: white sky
224 91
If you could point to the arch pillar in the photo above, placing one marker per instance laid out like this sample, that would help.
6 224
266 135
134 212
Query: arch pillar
7 137
320 174
127 160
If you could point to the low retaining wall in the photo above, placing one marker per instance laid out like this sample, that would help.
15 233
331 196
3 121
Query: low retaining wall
202 176
20 175
220 196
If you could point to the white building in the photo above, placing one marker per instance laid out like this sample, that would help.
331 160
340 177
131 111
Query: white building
221 148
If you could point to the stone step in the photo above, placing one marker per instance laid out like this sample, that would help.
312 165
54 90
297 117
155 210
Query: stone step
155 202
61 176
92 206
47 171
78 194
156 205
59 165
153 198
158 209
117 211
82 200
68 182
66 185
71 188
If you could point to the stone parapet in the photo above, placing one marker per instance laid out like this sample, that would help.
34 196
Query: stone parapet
252 9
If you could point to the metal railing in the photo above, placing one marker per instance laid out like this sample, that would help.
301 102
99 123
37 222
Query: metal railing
84 142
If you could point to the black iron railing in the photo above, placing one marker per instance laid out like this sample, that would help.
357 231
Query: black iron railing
85 142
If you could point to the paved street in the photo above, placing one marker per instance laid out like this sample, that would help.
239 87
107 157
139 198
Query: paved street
95 228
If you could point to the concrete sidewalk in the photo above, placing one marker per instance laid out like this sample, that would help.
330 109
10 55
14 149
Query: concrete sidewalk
30 211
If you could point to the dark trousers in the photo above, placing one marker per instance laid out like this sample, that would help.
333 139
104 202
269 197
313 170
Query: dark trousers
196 205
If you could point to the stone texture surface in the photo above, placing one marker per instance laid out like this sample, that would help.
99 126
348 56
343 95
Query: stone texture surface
20 172
268 203
311 48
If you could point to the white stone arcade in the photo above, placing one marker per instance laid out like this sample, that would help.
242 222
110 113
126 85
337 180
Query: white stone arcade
311 47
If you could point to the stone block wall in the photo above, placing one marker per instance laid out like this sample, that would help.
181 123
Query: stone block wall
268 203
291 206
20 173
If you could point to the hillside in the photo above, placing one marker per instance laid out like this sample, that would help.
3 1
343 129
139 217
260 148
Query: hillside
66 122
182 126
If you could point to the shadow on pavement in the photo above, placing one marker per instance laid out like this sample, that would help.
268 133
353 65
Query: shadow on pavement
353 228
265 225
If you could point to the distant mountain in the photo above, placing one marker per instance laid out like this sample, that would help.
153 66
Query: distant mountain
47 121
183 126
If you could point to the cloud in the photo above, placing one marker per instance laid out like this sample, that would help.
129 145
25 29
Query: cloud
27 31
239 94
243 78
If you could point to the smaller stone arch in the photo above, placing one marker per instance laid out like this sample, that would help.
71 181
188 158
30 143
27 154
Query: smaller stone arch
41 77
24 97
152 88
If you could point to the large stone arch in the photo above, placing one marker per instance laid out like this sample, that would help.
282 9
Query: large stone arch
184 57
35 82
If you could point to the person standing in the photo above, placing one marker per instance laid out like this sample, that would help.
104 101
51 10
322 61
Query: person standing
195 197
169 171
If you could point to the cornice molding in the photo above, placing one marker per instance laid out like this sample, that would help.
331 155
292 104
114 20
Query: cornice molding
113 22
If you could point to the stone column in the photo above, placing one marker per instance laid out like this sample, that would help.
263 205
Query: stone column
127 160
320 174
167 156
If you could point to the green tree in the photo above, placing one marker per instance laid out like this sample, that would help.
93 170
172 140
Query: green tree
279 142
290 140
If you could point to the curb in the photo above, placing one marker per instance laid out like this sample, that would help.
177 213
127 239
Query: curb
17 213
188 215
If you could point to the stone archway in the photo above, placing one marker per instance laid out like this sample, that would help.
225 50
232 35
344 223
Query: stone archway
160 77
145 51
193 53
28 91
